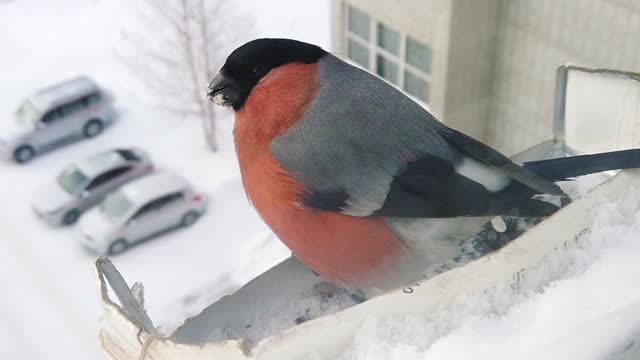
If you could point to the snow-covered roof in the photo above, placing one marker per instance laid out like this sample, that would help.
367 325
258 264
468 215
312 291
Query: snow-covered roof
72 89
153 186
101 162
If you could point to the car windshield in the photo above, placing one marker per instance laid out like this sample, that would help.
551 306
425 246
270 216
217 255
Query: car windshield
72 180
116 205
27 113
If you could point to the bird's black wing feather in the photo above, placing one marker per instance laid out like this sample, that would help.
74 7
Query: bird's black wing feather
486 154
429 187
325 200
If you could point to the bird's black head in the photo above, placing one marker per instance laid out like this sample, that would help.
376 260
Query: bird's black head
251 62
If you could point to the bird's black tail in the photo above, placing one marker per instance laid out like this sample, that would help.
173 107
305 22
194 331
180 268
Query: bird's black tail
565 168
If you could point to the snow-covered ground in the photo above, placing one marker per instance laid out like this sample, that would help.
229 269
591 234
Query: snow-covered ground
48 301
587 307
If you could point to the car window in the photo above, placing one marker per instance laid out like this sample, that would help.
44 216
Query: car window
72 180
150 207
166 200
91 99
157 204
128 155
51 116
28 113
107 176
144 210
72 108
116 205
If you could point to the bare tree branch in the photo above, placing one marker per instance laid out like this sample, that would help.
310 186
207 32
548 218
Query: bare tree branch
177 51
209 115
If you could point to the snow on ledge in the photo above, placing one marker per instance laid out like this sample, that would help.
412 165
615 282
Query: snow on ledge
519 266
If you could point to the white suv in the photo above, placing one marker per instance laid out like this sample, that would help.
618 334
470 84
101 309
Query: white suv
54 116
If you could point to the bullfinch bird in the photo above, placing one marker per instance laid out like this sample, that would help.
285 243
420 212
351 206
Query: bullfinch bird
365 186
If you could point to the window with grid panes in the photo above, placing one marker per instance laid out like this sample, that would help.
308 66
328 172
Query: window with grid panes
396 57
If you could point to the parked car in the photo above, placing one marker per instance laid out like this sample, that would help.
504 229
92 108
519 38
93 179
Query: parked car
141 210
85 183
53 116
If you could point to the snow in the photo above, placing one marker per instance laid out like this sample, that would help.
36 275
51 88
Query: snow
48 304
590 292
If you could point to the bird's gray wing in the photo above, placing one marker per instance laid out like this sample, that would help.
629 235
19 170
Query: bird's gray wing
363 148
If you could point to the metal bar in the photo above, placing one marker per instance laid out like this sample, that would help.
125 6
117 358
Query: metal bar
559 104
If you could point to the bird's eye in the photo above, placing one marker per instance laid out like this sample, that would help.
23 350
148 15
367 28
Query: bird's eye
259 70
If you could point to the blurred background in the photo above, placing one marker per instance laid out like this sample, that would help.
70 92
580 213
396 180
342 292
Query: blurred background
484 67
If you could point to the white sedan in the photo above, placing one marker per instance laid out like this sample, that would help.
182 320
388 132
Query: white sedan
141 210
85 183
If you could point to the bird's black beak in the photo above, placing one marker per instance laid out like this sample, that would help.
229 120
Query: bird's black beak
229 91
215 88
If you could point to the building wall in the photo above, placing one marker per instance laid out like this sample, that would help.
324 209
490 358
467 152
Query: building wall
534 38
461 35
471 59
425 20
494 61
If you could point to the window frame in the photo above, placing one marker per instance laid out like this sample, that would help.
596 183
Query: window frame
374 50
170 198
419 76
124 169
143 210
78 104
379 25
348 12
351 38
157 204
399 73
92 99
58 116
413 67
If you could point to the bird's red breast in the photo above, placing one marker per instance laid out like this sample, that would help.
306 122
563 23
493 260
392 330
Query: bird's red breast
350 251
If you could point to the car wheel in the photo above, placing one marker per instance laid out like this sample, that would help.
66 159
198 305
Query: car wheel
93 128
118 247
24 154
190 218
71 217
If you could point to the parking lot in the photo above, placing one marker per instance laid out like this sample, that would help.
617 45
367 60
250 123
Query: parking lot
49 306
